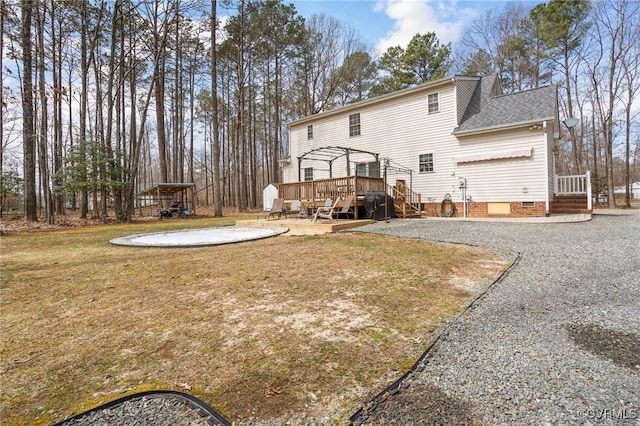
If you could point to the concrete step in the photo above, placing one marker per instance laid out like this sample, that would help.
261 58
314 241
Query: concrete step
570 211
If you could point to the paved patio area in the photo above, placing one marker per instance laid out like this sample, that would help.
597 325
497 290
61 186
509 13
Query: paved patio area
304 226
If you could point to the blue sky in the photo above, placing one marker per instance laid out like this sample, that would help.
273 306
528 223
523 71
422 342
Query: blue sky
386 23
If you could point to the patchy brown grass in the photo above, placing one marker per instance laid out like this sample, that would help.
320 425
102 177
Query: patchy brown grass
287 326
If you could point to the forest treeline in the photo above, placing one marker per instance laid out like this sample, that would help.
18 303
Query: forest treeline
101 99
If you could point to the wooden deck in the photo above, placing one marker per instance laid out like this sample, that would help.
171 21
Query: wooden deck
307 226
313 193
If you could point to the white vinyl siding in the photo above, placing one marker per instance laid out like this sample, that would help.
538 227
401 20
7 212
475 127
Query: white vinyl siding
400 128
505 179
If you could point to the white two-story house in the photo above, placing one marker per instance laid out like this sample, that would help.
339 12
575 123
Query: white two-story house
459 139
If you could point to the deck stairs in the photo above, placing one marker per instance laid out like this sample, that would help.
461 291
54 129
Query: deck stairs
407 204
406 211
572 194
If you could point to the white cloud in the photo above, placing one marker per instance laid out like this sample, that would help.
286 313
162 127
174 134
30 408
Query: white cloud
411 17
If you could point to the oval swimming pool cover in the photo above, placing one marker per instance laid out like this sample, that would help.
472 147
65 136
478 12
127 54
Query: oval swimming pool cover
200 237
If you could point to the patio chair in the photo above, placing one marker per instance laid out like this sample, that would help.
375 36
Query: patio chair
314 210
294 208
347 208
326 212
277 208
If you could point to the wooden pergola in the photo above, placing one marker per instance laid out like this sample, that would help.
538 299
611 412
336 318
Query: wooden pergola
162 195
329 154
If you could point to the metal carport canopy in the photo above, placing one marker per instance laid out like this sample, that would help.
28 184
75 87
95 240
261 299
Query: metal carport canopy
166 188
329 154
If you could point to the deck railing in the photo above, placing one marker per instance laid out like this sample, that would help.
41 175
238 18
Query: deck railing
406 201
321 189
572 185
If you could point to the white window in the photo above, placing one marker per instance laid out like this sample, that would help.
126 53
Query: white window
371 169
310 131
308 173
432 103
425 163
354 124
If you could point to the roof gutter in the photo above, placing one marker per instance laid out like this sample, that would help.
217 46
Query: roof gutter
500 127
374 101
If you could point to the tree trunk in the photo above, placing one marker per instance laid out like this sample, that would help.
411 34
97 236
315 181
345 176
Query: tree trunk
215 155
595 176
84 71
28 133
239 154
158 82
58 92
627 155
572 130
2 14
278 138
192 117
113 169
100 153
43 157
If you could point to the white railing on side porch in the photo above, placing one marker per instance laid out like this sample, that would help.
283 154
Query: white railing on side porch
576 184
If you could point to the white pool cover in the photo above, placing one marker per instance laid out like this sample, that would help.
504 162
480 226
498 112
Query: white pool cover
200 237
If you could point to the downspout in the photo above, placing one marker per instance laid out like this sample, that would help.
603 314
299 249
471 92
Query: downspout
464 196
547 211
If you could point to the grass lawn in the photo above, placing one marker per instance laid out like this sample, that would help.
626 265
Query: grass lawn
286 326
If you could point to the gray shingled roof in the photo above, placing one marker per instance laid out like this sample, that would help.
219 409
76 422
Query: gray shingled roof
486 111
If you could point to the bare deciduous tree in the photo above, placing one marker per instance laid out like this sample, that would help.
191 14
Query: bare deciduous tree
215 155
611 43
28 125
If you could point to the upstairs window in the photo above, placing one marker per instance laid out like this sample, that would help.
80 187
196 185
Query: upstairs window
425 163
432 103
354 125
310 131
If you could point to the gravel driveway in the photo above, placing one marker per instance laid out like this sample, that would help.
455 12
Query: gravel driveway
556 341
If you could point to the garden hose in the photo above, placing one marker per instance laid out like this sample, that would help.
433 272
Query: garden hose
443 209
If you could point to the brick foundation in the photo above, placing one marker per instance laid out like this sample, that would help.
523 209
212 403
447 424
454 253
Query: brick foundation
480 209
